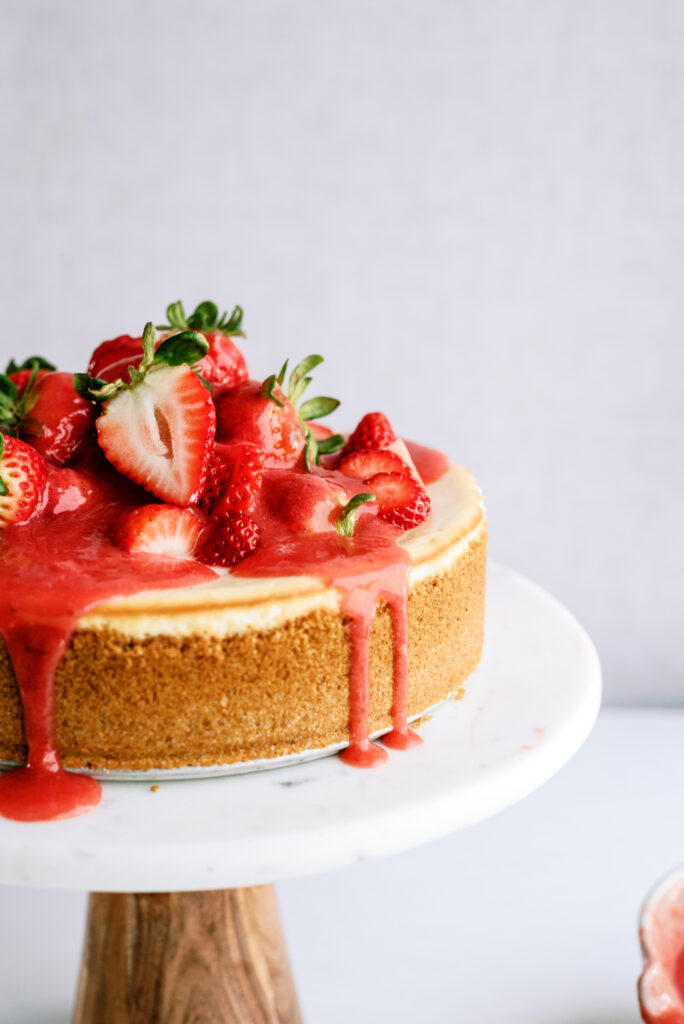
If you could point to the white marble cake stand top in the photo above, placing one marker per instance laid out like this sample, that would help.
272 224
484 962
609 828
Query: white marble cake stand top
528 708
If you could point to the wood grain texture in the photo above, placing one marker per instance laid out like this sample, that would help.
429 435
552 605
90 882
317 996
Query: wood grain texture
186 958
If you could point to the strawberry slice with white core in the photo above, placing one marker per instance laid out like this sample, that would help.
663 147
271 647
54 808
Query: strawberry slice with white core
401 500
159 530
23 482
366 462
160 433
399 448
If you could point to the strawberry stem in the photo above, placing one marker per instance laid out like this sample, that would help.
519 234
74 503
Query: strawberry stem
346 521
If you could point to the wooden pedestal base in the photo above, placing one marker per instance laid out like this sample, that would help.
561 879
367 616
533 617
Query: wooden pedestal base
186 958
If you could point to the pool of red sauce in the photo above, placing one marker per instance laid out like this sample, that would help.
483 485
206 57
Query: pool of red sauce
662 999
58 567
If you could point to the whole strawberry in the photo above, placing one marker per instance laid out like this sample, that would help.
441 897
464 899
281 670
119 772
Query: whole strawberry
158 430
23 481
224 365
235 535
373 431
57 421
266 418
233 479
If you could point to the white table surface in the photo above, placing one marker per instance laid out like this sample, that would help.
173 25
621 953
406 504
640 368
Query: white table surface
528 917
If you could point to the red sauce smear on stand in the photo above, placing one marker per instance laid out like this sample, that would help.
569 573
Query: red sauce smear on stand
52 571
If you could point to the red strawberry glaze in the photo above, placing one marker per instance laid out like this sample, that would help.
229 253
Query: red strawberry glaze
53 570
364 569
430 463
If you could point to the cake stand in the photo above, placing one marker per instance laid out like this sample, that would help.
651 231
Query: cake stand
183 924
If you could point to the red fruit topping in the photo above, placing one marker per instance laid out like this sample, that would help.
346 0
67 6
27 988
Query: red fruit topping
23 377
112 359
373 431
247 413
224 365
160 433
319 431
58 421
159 530
233 478
234 537
68 490
401 499
305 502
366 462
23 480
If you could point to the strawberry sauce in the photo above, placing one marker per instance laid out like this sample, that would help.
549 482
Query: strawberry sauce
53 570
365 569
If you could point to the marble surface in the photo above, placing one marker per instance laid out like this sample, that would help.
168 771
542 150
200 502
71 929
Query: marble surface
529 917
531 704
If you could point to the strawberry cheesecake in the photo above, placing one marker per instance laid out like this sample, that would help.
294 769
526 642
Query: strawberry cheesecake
195 572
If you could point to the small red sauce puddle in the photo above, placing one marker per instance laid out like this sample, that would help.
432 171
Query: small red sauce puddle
56 568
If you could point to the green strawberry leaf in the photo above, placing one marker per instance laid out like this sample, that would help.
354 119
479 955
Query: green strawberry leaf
317 407
91 388
346 521
267 389
187 347
32 362
205 317
330 445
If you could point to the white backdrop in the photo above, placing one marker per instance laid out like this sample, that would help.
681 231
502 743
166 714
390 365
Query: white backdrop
474 209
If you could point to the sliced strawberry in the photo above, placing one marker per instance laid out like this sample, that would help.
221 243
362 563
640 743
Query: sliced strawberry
249 412
233 478
235 535
401 500
23 480
305 502
366 462
373 431
159 530
58 421
160 433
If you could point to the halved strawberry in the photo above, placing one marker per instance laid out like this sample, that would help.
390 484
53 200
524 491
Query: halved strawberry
373 431
234 536
58 421
401 500
233 478
366 462
159 429
159 530
160 432
23 480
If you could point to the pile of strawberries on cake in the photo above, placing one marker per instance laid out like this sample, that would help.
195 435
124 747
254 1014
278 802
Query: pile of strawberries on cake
215 454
